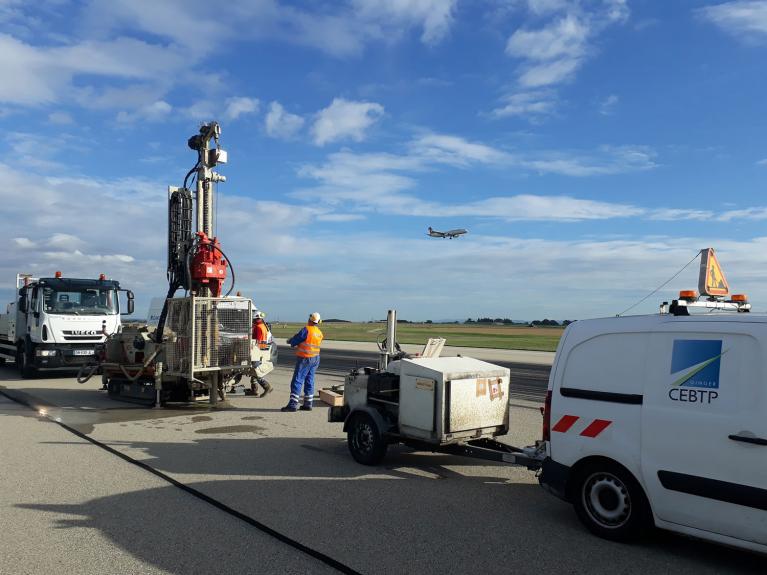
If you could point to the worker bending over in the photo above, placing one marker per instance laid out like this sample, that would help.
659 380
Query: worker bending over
307 344
260 357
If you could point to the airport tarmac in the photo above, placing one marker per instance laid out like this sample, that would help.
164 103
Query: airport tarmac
249 489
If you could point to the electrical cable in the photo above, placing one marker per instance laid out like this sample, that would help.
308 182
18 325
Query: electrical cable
281 537
190 172
661 285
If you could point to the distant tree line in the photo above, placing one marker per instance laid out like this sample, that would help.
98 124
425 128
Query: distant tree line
507 321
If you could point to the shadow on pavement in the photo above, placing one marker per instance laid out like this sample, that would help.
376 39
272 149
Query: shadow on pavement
375 525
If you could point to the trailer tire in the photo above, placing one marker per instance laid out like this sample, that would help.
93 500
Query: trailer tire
23 362
610 502
366 442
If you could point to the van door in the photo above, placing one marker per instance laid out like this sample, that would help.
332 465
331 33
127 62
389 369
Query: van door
704 394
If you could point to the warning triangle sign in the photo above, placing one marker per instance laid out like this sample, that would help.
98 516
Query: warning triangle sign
711 281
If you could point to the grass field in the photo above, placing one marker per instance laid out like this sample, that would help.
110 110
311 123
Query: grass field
497 337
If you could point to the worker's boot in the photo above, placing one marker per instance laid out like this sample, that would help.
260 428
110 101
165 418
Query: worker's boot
267 387
253 389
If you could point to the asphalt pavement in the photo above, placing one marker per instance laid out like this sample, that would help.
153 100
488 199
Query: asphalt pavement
249 489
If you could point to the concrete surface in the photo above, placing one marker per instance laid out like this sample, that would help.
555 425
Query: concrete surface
67 506
416 513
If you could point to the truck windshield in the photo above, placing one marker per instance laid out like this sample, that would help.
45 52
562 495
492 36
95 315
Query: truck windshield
80 301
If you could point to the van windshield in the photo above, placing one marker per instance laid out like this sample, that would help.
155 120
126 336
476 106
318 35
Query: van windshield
80 301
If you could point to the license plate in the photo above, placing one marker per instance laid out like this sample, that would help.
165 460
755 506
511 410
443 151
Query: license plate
83 352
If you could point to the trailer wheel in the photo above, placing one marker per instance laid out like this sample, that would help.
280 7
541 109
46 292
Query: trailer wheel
610 502
366 443
24 363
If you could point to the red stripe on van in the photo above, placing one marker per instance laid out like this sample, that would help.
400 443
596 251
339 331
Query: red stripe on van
565 423
595 427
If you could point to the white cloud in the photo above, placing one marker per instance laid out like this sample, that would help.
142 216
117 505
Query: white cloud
281 124
607 106
553 53
762 162
454 150
744 18
236 107
527 104
60 118
386 183
45 74
434 16
345 119
564 38
154 112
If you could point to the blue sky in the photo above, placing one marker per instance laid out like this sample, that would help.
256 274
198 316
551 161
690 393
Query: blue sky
591 148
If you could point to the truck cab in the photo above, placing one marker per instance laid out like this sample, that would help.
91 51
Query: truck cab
662 420
56 322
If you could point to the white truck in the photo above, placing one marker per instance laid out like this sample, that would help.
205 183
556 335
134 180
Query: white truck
56 322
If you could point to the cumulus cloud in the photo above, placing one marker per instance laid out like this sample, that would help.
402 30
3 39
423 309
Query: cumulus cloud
282 124
236 107
345 119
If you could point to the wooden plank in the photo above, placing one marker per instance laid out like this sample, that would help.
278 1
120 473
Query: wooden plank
332 398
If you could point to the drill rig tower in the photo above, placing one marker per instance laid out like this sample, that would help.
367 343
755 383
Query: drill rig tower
203 338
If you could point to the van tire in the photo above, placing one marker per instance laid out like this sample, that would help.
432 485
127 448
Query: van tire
610 502
365 440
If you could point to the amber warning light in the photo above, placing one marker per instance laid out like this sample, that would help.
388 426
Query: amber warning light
58 274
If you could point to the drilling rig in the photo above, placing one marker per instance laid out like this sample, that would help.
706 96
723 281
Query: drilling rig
203 338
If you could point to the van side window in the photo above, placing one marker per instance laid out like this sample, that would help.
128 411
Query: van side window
613 362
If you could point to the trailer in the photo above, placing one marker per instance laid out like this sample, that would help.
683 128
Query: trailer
456 405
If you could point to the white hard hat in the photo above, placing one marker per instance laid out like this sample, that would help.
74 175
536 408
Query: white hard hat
258 314
315 317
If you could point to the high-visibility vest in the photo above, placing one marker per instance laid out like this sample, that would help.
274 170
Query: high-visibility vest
261 335
310 347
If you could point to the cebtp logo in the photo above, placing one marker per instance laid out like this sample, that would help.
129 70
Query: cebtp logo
696 363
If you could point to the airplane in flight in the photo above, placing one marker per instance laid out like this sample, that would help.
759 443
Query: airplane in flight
448 234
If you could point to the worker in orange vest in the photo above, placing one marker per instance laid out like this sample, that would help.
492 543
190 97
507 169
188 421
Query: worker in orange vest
307 345
261 339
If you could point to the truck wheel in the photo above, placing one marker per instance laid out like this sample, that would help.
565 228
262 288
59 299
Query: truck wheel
366 443
26 368
610 502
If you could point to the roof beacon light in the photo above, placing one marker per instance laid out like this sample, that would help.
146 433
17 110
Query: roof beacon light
740 297
102 277
58 274
688 294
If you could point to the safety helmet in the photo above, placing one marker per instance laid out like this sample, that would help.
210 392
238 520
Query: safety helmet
258 314
315 318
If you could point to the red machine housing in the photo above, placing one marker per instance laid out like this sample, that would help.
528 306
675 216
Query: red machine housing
208 265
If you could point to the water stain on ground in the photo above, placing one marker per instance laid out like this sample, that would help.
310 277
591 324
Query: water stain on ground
198 418
231 429
251 417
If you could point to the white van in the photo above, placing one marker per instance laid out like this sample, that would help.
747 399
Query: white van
662 420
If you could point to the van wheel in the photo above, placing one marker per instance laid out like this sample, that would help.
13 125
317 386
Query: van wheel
366 443
610 502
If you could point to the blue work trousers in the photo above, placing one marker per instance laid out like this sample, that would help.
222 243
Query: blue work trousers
303 376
